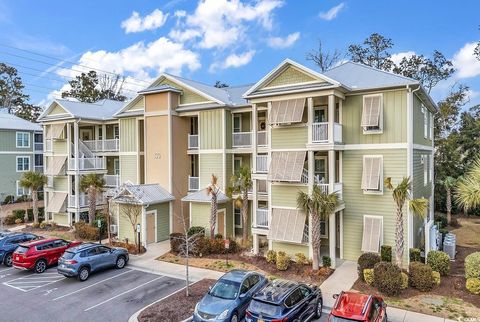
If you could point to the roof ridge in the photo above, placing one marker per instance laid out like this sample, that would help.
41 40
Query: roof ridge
381 70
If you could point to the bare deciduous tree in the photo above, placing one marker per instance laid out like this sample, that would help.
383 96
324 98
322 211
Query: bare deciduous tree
324 59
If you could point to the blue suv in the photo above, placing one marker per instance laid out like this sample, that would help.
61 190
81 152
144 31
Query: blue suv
9 242
84 259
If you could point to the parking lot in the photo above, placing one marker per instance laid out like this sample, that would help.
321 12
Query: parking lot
112 295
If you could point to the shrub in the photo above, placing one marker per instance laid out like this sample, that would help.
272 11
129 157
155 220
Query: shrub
271 256
196 230
35 225
301 259
473 285
218 236
41 214
43 225
283 261
415 255
368 276
23 198
441 219
386 253
326 261
9 220
9 199
19 214
443 231
454 222
421 276
367 260
404 281
18 221
84 231
439 261
388 278
436 277
175 242
472 265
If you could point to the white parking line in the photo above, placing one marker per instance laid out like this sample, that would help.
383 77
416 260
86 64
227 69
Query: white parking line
4 270
123 293
84 288
32 282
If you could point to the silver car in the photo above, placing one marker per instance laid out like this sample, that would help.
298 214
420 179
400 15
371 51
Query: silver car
82 260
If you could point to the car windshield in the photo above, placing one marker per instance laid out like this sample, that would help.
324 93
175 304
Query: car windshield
21 250
339 319
268 309
68 255
225 289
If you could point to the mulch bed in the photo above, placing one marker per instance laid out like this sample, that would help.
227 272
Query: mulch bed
30 229
132 248
177 307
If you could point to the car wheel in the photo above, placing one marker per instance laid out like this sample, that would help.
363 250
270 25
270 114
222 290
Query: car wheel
83 274
319 308
8 260
40 266
120 262
234 318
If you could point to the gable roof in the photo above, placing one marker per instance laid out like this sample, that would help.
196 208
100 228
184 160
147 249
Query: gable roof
12 122
143 194
101 110
202 196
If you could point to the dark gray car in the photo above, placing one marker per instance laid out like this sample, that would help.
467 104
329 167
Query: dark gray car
82 260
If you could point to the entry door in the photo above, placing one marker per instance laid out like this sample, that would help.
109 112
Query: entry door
86 134
320 114
221 228
151 227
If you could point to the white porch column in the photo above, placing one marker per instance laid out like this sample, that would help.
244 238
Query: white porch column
254 202
331 237
256 244
310 118
311 175
77 177
331 117
331 170
254 137
104 136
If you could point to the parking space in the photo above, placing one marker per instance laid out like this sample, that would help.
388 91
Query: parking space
112 295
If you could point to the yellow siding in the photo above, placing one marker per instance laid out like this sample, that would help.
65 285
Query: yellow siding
60 219
187 96
286 195
59 147
211 164
60 184
211 129
290 249
57 109
200 215
290 75
128 135
128 168
139 105
289 137
125 229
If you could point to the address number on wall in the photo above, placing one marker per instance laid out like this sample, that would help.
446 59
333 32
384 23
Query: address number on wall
157 156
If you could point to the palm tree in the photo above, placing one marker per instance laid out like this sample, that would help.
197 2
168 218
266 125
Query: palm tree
92 184
212 191
241 183
34 181
467 194
401 194
319 205
449 183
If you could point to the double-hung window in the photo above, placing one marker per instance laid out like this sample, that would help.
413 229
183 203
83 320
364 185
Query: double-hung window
372 174
424 161
23 140
237 123
21 191
372 114
238 217
425 122
23 164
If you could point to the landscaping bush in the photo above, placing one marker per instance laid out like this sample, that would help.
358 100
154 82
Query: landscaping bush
368 276
19 214
301 259
271 256
8 199
454 222
175 242
43 225
441 219
18 221
436 278
9 220
439 261
326 261
83 231
404 281
367 260
218 236
196 230
41 214
473 285
443 231
283 261
23 198
35 225
472 265
206 246
386 253
387 278
421 276
415 255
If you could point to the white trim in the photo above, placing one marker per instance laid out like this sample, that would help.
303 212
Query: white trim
375 146
156 113
425 122
18 187
380 188
410 125
18 152
16 140
193 89
209 151
422 147
380 119
23 164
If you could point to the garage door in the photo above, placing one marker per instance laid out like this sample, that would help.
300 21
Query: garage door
163 222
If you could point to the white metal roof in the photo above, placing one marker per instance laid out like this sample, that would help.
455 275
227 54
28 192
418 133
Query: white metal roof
202 196
144 194
12 122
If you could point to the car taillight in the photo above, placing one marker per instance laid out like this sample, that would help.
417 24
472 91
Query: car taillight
71 262
248 314
282 320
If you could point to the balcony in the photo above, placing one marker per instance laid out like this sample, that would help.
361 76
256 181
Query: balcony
84 201
262 218
109 145
262 163
193 141
86 164
242 139
112 180
193 183
320 132
38 168
262 138
38 147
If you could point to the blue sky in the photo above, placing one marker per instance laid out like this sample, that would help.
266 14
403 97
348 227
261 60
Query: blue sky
236 42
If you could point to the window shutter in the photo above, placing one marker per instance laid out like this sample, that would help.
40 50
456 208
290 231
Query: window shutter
367 168
287 111
367 232
372 106
287 166
372 232
372 172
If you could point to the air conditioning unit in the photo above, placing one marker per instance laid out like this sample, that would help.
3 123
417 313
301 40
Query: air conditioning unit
113 229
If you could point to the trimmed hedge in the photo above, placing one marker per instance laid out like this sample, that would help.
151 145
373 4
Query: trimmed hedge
369 276
436 278
367 260
271 256
388 278
326 261
301 259
473 285
439 261
283 261
421 276
415 255
84 231
472 265
196 230
386 253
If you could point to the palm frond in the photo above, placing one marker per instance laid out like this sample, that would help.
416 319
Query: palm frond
467 194
419 207
33 180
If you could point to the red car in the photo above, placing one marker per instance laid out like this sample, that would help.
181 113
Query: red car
350 306
39 254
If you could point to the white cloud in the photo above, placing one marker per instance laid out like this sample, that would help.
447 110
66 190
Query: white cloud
234 61
135 23
397 58
466 64
279 42
332 13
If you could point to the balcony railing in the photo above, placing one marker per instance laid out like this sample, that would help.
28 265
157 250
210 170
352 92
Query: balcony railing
38 168
193 141
103 145
262 163
84 201
304 178
262 218
112 180
86 164
242 139
38 146
320 132
262 138
193 183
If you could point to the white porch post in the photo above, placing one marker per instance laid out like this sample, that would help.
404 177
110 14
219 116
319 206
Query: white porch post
331 117
143 225
77 177
310 118
311 175
256 246
331 237
104 135
254 137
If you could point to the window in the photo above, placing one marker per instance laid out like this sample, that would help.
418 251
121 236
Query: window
116 167
116 132
321 168
424 161
425 122
237 163
23 140
319 114
238 217
372 233
294 298
372 114
100 134
60 243
237 123
20 190
372 174
23 164
254 279
431 166
431 125
103 250
323 229
38 160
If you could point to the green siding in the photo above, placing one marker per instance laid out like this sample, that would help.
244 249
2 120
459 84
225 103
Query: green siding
229 219
290 75
60 219
57 110
358 204
128 135
394 119
286 195
211 163
290 249
211 129
8 141
9 175
128 168
60 184
228 167
229 129
289 137
418 124
419 189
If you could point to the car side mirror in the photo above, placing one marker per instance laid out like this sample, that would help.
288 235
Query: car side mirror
335 296
209 288
243 295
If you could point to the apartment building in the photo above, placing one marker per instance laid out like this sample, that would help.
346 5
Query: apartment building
344 130
21 150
